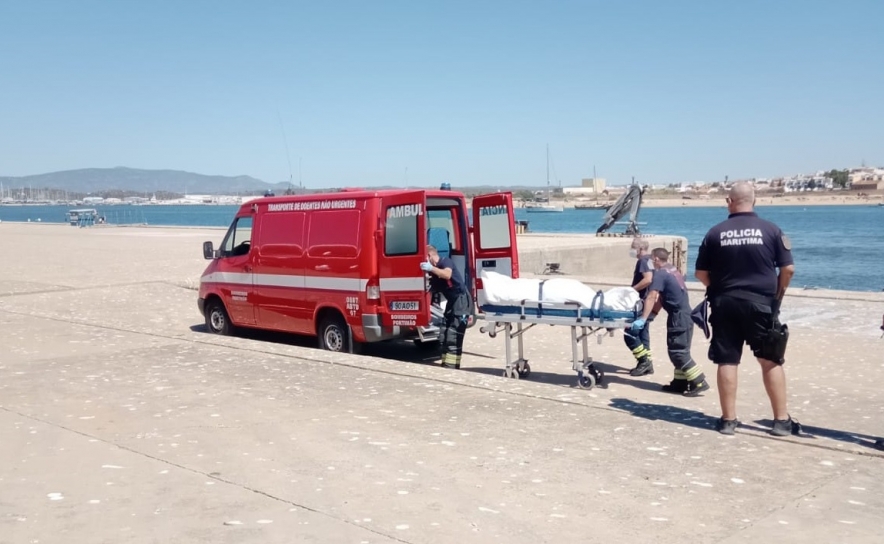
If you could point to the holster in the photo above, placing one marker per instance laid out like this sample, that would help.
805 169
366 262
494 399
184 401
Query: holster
773 346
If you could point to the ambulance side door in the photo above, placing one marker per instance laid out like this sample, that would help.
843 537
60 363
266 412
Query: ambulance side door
401 250
494 238
235 270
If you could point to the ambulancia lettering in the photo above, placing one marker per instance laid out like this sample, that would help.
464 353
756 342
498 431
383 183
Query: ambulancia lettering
312 205
493 210
405 210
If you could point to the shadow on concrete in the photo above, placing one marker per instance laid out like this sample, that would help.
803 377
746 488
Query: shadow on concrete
397 350
549 378
665 412
568 378
810 431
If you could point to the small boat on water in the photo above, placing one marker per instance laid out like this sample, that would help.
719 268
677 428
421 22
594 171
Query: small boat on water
595 206
544 205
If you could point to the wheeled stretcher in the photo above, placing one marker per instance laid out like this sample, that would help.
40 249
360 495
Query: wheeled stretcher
597 318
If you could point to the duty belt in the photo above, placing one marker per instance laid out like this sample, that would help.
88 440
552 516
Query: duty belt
748 295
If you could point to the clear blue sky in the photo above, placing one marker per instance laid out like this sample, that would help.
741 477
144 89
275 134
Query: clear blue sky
388 92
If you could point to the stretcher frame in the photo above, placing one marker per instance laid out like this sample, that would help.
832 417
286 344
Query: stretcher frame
598 320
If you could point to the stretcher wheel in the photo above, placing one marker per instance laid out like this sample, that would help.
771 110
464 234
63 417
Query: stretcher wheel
525 371
586 380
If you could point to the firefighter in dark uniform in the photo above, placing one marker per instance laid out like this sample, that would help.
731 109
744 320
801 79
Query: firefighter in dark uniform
446 280
668 285
737 262
640 342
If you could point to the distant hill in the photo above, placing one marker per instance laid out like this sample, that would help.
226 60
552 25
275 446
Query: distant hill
94 180
177 182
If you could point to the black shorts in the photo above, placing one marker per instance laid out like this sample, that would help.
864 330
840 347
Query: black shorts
736 322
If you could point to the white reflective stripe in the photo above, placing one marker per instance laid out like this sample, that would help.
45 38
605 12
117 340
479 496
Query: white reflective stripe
279 280
335 284
227 277
285 280
402 284
313 282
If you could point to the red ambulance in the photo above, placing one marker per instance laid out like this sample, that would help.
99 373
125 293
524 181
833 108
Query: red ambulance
345 266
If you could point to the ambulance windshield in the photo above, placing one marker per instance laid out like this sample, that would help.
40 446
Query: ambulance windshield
239 238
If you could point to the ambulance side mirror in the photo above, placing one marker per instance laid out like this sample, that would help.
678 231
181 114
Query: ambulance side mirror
208 251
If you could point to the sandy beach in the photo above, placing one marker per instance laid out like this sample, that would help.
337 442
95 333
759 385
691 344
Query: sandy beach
122 420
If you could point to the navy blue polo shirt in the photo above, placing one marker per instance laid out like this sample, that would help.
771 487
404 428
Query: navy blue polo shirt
669 282
449 288
642 265
743 253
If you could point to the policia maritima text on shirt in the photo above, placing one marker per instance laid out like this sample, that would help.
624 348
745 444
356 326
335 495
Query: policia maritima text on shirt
737 262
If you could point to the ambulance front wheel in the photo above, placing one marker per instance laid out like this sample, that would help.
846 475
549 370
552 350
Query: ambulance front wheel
217 320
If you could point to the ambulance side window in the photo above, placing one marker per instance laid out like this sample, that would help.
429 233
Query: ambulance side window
401 234
494 228
239 238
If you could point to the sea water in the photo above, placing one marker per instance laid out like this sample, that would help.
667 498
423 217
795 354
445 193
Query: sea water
834 247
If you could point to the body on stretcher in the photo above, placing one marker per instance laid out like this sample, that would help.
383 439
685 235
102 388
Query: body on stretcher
601 314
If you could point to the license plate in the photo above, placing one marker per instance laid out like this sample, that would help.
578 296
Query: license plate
405 305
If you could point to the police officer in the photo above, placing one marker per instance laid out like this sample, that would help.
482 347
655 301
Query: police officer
737 262
640 342
668 286
446 279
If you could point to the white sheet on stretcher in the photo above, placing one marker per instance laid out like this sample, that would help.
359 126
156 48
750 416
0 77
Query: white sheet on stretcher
501 290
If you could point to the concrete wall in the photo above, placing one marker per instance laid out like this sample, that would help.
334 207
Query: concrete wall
588 256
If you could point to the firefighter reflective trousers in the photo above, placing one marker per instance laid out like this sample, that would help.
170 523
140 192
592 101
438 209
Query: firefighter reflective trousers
639 343
456 316
679 334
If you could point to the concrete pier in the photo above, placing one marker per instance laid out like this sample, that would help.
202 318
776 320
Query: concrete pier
591 256
121 420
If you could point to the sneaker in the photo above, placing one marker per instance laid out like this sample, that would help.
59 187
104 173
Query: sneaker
676 386
726 426
694 390
785 427
645 367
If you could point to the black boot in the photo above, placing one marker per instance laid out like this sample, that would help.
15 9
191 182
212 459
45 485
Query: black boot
677 386
696 388
644 367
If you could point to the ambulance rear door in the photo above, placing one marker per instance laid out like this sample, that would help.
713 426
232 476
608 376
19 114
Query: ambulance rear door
494 238
401 250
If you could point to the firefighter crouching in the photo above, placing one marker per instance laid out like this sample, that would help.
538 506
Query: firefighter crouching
447 280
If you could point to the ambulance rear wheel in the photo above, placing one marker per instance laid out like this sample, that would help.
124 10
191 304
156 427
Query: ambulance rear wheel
217 320
428 345
334 335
